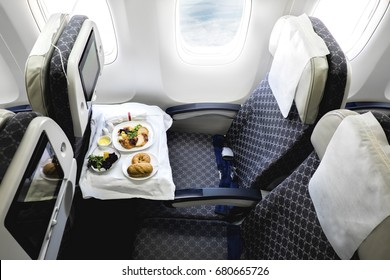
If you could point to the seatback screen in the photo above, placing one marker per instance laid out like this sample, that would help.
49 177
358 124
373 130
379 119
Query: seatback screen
29 215
89 67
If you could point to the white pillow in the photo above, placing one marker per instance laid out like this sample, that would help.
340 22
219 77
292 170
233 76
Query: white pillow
300 67
351 187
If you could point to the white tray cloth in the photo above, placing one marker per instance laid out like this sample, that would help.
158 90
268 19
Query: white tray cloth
113 184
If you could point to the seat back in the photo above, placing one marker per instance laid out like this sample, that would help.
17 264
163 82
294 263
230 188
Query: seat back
286 223
62 71
37 183
267 146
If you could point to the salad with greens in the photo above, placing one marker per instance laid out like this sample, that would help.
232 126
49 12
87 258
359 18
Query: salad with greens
104 161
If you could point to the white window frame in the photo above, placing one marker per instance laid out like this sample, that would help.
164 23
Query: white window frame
215 55
363 29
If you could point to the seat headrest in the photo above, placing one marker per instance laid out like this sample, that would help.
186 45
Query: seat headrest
300 68
326 127
5 115
350 189
37 65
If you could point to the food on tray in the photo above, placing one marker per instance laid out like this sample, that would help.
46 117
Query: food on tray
104 141
140 158
140 166
140 170
104 161
130 137
52 169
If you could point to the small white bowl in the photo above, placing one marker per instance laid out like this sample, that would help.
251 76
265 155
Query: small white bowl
104 141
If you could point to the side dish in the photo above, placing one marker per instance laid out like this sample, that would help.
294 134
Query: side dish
104 161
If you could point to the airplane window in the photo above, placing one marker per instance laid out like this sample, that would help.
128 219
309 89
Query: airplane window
96 10
211 27
352 22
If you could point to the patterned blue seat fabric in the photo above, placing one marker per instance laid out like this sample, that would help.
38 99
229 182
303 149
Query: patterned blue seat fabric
267 147
58 96
57 77
284 225
10 137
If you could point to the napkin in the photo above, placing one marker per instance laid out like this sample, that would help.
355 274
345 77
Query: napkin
351 188
297 44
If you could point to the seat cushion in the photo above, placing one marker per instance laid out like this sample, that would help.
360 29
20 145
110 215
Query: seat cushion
192 159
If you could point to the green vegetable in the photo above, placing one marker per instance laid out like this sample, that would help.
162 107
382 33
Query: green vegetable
95 161
100 162
131 133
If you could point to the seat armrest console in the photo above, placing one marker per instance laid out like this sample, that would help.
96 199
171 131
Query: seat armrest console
198 109
215 196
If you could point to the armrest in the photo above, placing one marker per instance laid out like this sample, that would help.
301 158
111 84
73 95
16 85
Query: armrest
186 111
215 196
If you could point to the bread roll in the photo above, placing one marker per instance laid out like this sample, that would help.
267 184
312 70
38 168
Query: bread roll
140 158
140 170
50 170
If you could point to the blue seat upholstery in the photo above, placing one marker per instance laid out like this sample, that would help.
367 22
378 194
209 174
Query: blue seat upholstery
284 225
10 138
58 82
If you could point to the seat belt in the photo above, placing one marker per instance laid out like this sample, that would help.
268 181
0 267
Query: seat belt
224 160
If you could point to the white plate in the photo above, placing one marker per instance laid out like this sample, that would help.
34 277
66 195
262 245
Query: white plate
100 152
115 137
127 162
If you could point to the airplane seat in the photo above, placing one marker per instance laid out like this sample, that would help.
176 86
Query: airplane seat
61 75
37 179
287 223
295 221
267 146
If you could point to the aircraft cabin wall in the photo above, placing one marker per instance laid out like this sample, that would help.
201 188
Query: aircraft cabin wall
150 68
162 76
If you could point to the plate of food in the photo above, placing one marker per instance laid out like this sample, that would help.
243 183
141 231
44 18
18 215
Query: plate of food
132 136
140 166
51 170
102 160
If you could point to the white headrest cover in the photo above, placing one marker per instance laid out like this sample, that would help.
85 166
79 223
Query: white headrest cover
275 34
5 115
38 62
326 127
350 189
300 67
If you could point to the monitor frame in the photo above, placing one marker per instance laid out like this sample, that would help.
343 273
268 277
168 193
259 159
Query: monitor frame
80 106
88 76
10 248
